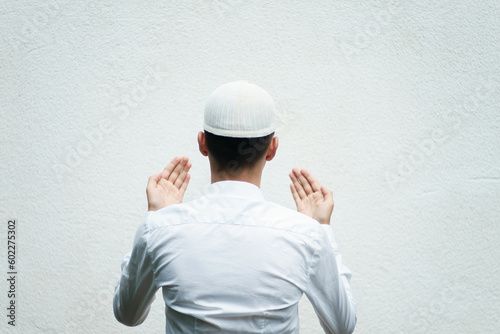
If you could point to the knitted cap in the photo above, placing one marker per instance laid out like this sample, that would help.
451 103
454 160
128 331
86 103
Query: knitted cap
240 109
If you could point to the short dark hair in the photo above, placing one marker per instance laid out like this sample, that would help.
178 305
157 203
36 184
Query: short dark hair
234 154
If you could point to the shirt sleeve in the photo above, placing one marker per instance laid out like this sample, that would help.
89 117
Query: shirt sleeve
136 289
328 289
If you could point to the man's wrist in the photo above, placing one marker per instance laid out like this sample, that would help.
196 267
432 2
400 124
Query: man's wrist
324 221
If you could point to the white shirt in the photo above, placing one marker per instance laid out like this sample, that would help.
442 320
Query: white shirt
231 262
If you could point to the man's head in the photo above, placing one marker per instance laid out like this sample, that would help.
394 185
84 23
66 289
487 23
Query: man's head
239 129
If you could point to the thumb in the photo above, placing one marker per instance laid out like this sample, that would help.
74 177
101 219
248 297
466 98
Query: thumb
153 180
327 194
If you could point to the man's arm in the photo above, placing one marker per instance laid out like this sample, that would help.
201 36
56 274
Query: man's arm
136 290
328 289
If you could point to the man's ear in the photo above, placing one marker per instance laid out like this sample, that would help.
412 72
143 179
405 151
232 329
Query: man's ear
273 147
202 144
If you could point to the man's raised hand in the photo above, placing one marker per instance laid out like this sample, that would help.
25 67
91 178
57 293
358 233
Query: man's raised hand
168 187
311 198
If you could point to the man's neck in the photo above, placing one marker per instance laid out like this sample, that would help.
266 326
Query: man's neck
251 175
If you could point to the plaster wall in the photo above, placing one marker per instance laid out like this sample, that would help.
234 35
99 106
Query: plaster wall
392 105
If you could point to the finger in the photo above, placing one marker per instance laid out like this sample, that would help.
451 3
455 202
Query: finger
178 169
295 195
170 167
303 181
311 180
297 184
184 184
182 176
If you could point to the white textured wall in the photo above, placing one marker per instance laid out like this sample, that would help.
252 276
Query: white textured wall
393 105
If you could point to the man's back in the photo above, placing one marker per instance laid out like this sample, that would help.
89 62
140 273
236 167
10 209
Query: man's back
232 262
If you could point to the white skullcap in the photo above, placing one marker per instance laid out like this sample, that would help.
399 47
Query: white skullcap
240 109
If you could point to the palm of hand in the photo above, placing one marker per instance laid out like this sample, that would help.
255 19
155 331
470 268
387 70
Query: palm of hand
315 206
168 187
311 198
166 193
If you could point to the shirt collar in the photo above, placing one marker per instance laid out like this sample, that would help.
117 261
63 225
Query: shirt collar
235 189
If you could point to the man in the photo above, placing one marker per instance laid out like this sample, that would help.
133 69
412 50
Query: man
231 262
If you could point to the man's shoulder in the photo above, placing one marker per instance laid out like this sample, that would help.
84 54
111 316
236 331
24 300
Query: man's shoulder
287 212
170 215
292 220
